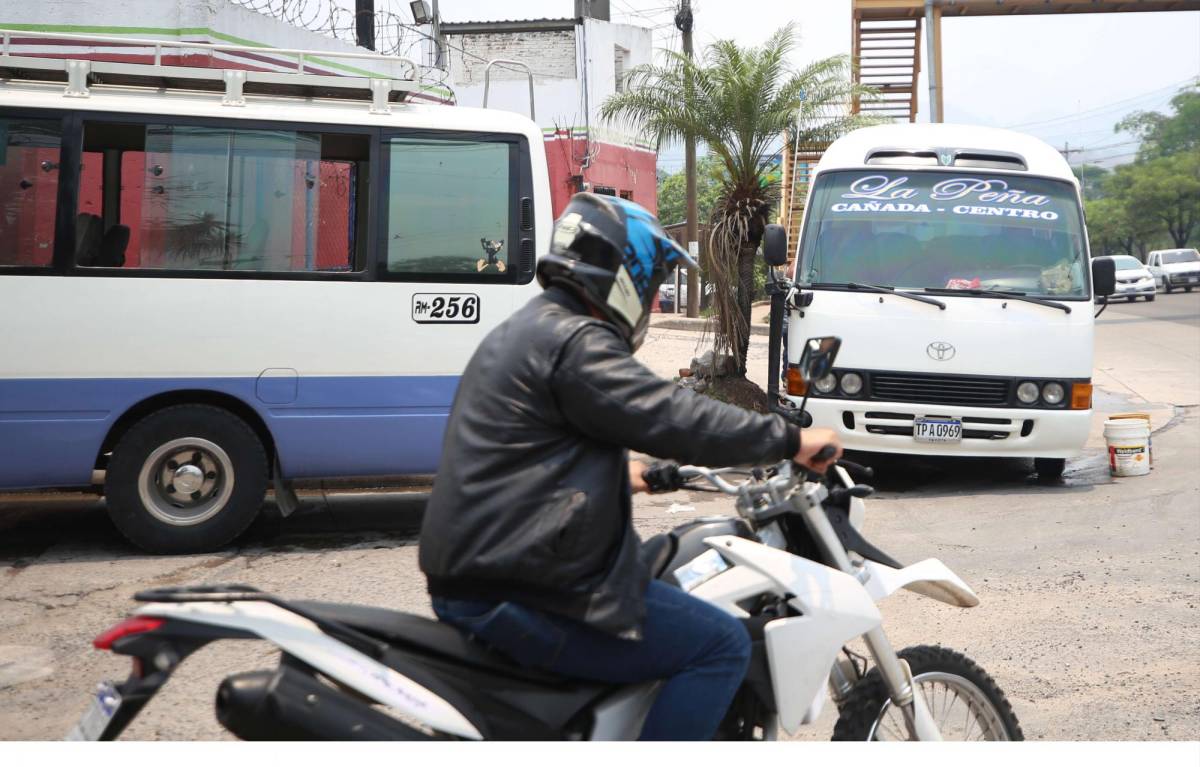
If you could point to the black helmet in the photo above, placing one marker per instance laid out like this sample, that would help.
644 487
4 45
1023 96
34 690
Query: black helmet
615 254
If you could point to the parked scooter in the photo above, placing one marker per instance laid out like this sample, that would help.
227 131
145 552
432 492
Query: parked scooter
792 564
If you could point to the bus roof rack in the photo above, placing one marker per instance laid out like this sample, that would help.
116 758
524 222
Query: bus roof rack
233 83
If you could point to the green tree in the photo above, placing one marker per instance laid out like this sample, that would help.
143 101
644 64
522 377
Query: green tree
1166 190
672 191
1162 135
738 102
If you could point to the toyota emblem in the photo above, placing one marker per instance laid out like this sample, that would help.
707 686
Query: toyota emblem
940 351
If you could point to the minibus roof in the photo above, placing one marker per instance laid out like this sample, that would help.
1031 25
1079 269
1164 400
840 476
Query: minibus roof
855 149
141 101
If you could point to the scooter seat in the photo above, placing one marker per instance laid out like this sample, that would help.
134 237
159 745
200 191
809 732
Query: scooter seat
428 637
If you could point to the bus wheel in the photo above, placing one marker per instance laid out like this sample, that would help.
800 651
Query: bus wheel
1049 469
187 478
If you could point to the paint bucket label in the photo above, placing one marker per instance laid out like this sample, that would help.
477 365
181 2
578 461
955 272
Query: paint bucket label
1128 460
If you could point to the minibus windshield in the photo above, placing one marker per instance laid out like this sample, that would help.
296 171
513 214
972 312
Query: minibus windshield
915 230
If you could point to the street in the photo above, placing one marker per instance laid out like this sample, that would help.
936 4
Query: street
1090 588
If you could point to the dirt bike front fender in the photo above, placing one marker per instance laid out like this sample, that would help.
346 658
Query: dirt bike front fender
929 577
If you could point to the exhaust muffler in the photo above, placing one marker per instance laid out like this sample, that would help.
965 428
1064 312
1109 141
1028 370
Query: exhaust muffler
285 704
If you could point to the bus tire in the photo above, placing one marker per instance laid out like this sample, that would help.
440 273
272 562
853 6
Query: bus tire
185 479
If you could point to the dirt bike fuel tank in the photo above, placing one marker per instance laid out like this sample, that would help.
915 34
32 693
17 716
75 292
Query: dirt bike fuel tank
688 540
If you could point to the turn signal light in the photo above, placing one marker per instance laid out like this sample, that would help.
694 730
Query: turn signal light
795 382
1081 396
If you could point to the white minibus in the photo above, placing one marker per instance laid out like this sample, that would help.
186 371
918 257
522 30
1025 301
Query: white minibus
206 286
953 263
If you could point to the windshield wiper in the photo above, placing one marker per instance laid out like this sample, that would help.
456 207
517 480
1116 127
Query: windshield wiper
1014 294
891 291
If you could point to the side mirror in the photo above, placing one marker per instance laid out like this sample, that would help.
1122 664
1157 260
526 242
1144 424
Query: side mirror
775 245
1104 276
816 361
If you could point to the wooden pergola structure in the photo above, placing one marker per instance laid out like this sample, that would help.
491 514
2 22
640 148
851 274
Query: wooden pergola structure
885 48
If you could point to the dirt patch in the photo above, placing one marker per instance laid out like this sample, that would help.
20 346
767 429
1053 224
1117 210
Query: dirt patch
739 391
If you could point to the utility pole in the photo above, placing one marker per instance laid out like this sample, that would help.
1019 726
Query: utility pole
683 21
364 24
439 57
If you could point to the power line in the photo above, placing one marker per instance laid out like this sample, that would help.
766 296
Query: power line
1111 106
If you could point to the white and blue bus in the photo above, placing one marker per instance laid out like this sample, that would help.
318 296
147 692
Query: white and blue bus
203 292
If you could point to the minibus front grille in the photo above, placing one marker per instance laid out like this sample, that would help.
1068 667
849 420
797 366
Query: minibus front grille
939 390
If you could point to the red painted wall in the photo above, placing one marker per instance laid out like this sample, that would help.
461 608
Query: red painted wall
623 169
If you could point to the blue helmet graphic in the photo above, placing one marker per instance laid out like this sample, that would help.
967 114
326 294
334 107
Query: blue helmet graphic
615 254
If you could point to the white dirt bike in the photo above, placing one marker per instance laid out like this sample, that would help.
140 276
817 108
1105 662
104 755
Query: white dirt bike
792 564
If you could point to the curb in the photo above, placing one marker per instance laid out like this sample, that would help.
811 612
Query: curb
697 325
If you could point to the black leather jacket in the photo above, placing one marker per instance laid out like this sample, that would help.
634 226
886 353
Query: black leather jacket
531 502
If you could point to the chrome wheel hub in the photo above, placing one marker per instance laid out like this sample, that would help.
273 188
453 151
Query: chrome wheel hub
186 481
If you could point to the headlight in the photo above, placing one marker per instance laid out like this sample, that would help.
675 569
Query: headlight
1027 392
826 384
1053 393
852 383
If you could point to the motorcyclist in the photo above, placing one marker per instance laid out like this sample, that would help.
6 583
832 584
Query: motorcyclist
527 541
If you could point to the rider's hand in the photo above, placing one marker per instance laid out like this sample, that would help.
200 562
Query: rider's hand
812 441
636 482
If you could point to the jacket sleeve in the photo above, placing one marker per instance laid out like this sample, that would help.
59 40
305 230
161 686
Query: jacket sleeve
611 397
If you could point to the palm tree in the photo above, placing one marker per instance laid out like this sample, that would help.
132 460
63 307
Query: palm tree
741 103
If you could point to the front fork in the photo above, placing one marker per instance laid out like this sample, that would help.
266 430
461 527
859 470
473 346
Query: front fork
895 672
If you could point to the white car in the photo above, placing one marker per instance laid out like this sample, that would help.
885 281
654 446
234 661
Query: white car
1179 268
1133 279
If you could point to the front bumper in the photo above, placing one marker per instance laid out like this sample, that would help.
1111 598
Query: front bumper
1184 279
886 427
1146 288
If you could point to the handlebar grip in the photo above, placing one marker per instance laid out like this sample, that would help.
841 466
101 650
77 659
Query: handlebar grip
825 453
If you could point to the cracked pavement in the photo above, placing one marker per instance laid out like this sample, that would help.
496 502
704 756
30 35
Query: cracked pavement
1090 588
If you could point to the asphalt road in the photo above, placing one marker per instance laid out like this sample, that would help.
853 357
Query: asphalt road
1090 588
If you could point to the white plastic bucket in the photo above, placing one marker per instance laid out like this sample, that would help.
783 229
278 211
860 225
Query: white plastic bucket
1145 417
1128 446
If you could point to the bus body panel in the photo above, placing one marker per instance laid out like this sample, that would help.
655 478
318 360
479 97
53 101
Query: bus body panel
369 399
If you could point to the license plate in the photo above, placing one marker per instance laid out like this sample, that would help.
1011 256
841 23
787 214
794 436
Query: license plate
937 430
103 708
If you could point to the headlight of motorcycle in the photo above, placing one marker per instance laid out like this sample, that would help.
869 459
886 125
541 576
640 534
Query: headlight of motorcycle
852 383
1053 393
1027 392
827 384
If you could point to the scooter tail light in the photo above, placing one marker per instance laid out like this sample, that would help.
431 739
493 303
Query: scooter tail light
138 624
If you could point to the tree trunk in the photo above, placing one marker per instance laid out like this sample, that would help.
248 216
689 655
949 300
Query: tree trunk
745 272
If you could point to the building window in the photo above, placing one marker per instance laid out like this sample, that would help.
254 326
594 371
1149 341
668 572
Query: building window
608 190
29 153
183 197
620 59
449 207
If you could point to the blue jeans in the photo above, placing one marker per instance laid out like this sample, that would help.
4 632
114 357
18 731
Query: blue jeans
701 651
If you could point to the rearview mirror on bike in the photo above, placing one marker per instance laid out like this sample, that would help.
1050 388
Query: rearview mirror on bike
816 361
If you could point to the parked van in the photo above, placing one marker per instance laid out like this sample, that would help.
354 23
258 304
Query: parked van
953 262
206 286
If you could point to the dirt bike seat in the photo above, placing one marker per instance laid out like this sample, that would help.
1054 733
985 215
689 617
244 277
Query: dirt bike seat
424 636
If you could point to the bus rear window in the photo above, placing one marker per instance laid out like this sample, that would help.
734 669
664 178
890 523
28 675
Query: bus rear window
183 197
934 229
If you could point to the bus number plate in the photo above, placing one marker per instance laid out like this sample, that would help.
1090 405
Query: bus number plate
937 430
444 308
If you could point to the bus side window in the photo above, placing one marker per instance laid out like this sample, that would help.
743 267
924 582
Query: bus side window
213 198
449 208
29 155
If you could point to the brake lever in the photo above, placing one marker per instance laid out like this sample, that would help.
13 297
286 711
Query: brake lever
856 468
